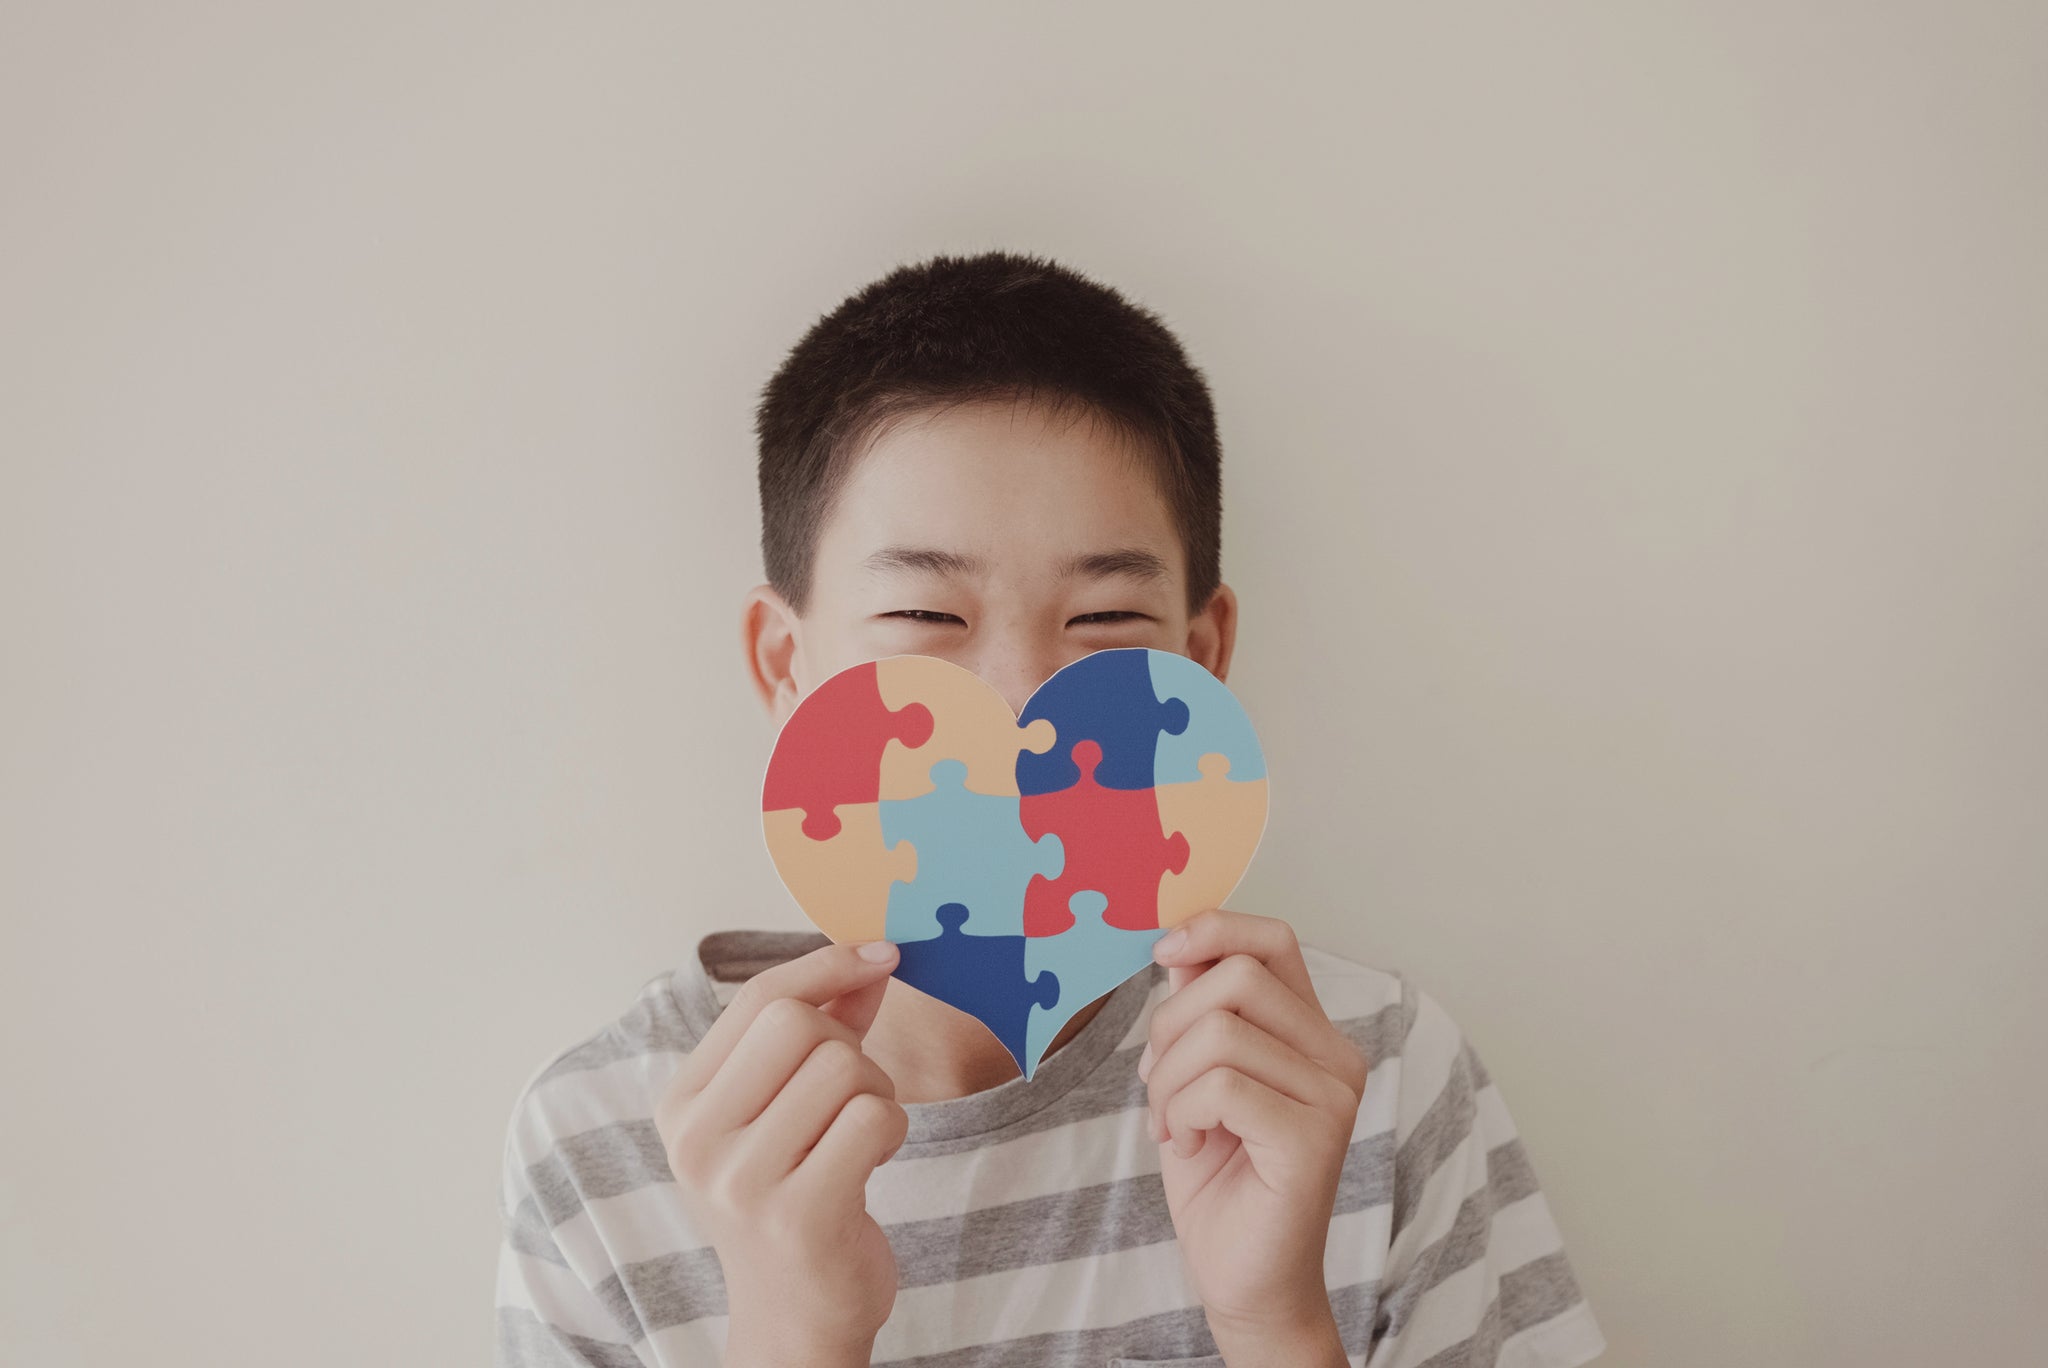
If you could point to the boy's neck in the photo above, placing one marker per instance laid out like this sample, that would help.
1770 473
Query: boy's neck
936 1053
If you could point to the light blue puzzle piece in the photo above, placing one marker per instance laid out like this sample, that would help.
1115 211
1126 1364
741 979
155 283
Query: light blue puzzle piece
1089 959
1217 724
972 849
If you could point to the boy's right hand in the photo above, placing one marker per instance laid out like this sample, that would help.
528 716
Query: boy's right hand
772 1126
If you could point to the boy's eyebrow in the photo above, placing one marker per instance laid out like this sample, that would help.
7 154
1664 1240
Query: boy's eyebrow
1126 562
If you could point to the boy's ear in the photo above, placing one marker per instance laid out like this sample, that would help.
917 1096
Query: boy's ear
768 635
1212 633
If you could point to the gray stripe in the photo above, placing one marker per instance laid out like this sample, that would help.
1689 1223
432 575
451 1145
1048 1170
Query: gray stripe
1447 1122
654 1023
1509 1172
1105 1218
1539 1290
528 1232
1101 1219
1456 1248
524 1341
1508 1179
1168 1336
671 1289
1114 1086
595 1164
618 1158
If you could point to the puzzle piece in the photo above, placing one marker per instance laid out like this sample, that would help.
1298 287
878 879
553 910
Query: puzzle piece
1106 698
971 849
830 751
1089 959
1217 724
1113 844
971 724
1222 821
842 883
983 976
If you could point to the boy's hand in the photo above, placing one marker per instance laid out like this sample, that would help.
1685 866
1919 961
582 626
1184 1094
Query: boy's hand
1253 1095
772 1126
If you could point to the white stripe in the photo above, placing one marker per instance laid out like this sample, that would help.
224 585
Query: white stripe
1357 1247
552 1294
1462 1173
1038 1164
1567 1339
1523 1231
1445 1315
1379 1105
1451 1310
625 1091
1346 988
1427 1057
607 1234
701 1341
1493 1120
587 1099
1347 991
649 1222
1044 1299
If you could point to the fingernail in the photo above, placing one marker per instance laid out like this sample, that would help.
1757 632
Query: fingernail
1170 942
1145 1063
877 952
1185 1145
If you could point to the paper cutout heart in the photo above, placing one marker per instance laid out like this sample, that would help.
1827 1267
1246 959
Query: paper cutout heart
1024 865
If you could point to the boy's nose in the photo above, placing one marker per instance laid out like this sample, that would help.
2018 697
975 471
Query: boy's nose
1016 674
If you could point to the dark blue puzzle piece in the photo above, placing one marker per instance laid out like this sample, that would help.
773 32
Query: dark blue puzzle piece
981 975
1106 698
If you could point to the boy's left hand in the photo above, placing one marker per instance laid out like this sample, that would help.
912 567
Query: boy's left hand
1253 1094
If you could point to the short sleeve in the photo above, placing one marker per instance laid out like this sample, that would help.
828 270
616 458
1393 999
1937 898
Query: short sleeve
547 1316
1476 1271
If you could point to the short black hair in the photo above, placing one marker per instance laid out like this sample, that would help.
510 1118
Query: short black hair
995 326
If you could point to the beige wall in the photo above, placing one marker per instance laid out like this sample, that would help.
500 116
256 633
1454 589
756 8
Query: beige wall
1636 421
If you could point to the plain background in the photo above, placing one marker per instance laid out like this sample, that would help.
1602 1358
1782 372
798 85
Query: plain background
1636 419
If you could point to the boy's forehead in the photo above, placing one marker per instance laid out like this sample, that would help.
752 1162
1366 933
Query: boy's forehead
997 482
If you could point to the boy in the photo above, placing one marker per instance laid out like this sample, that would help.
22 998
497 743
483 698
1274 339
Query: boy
1255 1152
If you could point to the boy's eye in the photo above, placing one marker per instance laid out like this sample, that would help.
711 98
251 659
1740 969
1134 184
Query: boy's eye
923 615
1120 615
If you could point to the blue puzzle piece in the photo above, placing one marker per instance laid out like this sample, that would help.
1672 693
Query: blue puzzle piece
1089 958
972 849
1107 698
984 976
1217 724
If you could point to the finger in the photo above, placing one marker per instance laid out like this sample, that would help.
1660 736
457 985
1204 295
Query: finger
1246 986
1218 933
1225 1038
817 978
797 1117
762 1065
856 1007
1247 1108
869 1129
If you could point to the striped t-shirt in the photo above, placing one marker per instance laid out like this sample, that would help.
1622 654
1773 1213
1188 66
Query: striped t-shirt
1028 1220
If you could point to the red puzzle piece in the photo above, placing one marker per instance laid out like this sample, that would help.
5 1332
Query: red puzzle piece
830 751
1113 844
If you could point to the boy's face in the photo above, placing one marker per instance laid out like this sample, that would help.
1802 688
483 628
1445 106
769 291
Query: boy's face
998 537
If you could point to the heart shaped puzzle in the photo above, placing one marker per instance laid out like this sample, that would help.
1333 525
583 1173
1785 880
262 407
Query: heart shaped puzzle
1024 866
